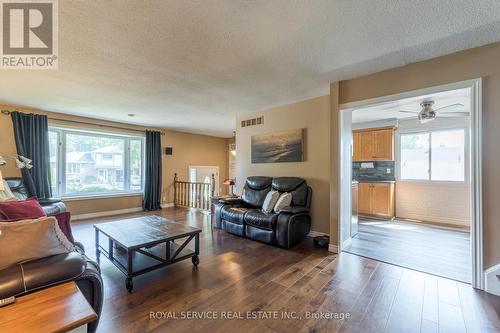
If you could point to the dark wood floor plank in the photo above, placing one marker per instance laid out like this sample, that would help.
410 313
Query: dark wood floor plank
237 274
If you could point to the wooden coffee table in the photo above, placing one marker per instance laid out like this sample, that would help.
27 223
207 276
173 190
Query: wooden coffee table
140 245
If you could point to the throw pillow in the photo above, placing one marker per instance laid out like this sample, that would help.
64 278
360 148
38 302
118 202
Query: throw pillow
270 201
27 240
284 200
7 194
21 210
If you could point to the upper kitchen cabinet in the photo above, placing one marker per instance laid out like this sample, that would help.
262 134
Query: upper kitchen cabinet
373 144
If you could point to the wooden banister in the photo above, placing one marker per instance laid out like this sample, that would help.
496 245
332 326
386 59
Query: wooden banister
193 194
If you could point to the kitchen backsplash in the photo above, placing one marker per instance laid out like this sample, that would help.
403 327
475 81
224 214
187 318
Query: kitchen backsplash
373 171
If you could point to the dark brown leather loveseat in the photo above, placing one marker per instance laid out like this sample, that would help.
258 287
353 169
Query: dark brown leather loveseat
244 216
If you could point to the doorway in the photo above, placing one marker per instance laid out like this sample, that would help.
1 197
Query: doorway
203 174
385 233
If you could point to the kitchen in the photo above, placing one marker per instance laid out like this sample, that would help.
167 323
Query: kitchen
404 172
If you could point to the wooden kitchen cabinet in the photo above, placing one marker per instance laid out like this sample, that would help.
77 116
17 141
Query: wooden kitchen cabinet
376 199
364 198
373 144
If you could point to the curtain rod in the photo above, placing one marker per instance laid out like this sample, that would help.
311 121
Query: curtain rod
7 112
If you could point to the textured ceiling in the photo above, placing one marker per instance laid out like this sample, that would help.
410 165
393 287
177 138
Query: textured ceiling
193 65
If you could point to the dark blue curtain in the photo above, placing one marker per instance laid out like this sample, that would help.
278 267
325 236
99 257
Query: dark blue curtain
152 186
31 133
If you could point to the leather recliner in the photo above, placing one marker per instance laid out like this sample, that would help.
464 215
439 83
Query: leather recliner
244 216
30 276
51 206
33 275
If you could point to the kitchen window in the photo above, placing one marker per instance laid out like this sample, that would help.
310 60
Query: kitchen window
85 163
438 155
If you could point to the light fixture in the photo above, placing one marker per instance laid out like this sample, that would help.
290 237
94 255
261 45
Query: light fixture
232 146
21 161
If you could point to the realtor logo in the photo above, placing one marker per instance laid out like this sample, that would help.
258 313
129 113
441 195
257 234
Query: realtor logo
29 34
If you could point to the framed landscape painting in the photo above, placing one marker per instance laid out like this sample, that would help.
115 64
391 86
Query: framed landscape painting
286 146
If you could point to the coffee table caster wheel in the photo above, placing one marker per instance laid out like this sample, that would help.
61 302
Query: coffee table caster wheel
129 285
195 260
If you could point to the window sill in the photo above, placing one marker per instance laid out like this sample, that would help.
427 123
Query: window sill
101 196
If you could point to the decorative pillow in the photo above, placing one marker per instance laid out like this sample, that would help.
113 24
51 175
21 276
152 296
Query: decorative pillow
27 240
270 201
64 222
284 200
6 194
21 210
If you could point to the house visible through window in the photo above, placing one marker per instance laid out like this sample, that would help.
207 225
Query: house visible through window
94 163
433 155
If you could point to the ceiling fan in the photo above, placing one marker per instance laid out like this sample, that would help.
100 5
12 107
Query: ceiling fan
428 113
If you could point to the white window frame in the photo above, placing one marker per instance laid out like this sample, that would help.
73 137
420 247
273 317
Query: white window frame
61 162
400 133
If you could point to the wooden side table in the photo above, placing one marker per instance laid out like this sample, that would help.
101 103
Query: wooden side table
213 201
61 308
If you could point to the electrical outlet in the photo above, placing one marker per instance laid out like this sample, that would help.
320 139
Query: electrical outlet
388 170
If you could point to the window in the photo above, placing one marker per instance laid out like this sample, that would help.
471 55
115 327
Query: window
89 163
434 155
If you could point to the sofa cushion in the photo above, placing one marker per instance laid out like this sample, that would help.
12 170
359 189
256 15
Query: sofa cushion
258 182
297 186
260 219
21 210
255 190
27 240
234 214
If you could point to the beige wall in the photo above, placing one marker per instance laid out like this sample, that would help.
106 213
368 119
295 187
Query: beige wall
313 114
479 62
188 149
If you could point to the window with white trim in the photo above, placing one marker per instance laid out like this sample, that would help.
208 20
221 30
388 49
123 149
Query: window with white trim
85 163
438 155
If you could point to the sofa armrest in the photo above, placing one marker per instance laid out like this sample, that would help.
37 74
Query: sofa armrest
41 273
294 210
231 201
49 201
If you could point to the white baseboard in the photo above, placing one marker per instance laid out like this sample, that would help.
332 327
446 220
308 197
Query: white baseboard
313 233
105 213
492 280
333 248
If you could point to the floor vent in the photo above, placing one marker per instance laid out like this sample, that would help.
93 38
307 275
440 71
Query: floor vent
252 122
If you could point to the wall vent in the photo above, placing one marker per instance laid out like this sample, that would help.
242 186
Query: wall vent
252 122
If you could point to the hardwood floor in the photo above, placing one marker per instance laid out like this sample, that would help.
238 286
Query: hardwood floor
440 251
238 275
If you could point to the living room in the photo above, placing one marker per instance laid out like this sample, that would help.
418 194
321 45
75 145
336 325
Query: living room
191 173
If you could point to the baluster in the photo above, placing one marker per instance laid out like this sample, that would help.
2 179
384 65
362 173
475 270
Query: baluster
175 189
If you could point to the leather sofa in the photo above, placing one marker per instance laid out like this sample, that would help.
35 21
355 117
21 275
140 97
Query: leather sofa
30 276
52 206
244 216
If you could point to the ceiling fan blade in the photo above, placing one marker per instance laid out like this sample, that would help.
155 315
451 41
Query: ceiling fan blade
450 106
403 111
454 114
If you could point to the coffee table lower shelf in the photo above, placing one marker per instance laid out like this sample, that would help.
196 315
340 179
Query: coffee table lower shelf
140 260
